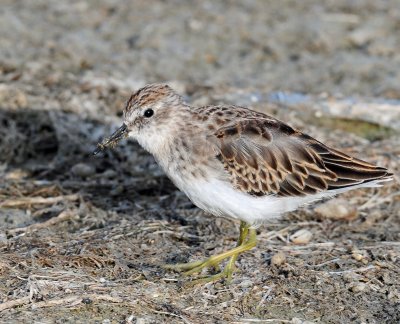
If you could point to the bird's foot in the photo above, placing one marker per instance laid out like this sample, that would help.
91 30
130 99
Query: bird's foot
214 261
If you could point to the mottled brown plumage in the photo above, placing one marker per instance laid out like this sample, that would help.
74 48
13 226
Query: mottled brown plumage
265 156
237 162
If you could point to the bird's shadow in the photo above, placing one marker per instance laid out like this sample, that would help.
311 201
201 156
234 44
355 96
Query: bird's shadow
40 148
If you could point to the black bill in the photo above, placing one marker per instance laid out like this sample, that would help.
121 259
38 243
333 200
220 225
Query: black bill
119 134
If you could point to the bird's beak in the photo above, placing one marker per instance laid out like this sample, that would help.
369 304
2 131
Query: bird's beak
119 134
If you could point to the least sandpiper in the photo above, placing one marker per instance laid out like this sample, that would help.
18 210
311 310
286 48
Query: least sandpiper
237 162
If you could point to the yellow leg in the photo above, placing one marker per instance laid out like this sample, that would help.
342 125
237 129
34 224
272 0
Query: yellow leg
230 267
247 240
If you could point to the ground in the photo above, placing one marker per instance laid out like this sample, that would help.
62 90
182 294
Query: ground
83 238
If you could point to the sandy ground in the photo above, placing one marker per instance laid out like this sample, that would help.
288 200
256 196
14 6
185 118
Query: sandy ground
82 239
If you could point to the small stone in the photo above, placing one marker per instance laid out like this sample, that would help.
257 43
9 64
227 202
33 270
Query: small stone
364 35
117 190
109 174
16 174
246 283
86 301
196 25
351 277
12 98
337 209
278 259
359 256
358 287
83 170
302 236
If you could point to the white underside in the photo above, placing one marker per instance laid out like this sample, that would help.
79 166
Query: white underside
220 198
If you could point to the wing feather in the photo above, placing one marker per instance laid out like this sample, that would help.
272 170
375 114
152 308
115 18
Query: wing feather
265 156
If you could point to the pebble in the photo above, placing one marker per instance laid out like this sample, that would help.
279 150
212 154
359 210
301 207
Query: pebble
337 209
16 174
109 174
362 36
83 170
302 236
278 259
357 256
351 277
246 283
117 190
12 98
360 256
358 287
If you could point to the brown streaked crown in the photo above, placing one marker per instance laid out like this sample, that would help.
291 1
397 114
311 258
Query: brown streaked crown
150 95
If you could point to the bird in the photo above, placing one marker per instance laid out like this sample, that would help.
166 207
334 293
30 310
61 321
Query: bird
237 162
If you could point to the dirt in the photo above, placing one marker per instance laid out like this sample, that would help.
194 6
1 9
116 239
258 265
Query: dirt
83 238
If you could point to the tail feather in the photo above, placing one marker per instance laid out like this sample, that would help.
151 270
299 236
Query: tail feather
351 172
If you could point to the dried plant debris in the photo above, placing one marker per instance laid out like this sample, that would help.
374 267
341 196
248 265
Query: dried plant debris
88 235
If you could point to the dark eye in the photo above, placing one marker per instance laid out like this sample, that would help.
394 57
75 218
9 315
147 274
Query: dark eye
148 113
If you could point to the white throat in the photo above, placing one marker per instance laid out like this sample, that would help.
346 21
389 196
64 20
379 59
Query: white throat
156 142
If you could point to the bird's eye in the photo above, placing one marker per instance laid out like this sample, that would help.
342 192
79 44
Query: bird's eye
148 113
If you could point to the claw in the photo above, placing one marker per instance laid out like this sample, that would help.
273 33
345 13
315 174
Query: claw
214 261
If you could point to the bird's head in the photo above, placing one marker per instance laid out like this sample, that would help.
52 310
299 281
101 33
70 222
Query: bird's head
147 116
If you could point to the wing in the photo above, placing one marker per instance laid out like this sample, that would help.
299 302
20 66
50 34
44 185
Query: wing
265 156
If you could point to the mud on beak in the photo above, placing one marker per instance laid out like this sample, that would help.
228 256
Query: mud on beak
113 140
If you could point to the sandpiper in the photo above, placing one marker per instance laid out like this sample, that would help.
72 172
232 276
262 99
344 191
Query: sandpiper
237 162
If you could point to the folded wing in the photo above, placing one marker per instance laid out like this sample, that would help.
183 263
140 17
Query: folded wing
267 157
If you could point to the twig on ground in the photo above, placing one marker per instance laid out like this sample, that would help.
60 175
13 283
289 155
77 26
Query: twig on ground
323 263
371 267
76 300
309 246
66 214
18 202
68 301
270 320
172 314
14 303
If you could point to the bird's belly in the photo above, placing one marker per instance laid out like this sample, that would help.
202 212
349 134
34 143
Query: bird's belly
221 198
